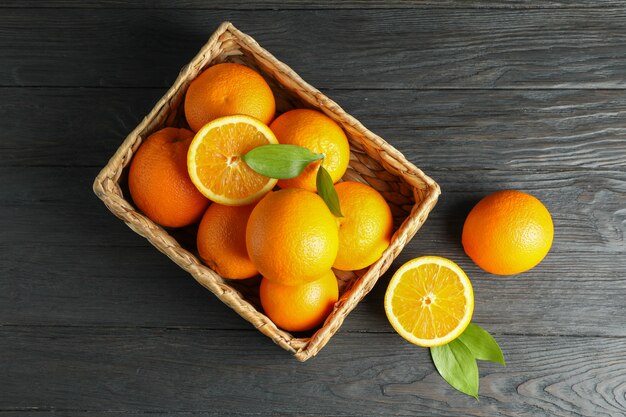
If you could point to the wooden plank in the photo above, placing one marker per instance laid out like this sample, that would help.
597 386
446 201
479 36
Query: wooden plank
67 126
441 129
487 129
112 286
94 321
397 48
109 286
64 252
180 371
306 5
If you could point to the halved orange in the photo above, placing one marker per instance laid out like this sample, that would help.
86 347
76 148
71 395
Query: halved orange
215 164
429 301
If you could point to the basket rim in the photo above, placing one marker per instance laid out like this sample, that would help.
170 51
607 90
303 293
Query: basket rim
106 187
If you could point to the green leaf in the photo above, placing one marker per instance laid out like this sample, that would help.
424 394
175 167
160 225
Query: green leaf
456 364
482 345
326 190
280 161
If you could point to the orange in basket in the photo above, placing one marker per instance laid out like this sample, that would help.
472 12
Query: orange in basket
365 228
292 237
226 90
215 165
221 241
159 183
320 134
300 307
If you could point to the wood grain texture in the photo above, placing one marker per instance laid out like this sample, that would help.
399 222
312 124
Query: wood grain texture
175 371
388 48
69 127
481 95
305 4
139 287
588 208
543 130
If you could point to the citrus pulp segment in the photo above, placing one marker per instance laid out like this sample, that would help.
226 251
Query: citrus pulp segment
215 161
429 301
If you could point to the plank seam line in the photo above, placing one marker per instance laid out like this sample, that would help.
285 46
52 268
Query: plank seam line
507 7
252 330
209 413
48 409
325 89
278 9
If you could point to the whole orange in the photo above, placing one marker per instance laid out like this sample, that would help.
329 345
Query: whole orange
292 237
297 308
225 90
222 241
159 183
508 232
366 228
320 134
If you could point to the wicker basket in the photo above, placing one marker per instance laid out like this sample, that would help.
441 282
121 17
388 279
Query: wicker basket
410 194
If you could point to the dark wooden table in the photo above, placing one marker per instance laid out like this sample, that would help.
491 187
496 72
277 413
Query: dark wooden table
482 96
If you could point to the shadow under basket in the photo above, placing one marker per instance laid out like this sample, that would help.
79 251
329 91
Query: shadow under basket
410 193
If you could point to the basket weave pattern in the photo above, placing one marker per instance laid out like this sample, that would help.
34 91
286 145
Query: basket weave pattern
410 193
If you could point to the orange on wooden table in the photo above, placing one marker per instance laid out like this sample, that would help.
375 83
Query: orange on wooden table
215 161
303 307
159 183
508 232
225 90
292 237
221 241
429 301
318 133
365 228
